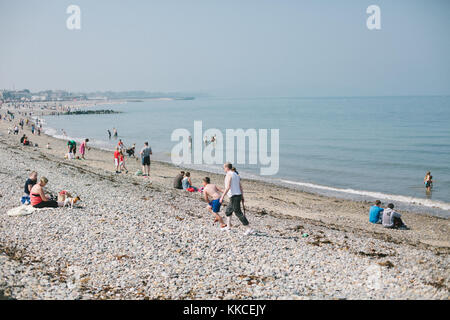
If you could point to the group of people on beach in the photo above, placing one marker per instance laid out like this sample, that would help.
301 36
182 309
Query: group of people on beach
214 196
34 193
387 217
119 158
72 149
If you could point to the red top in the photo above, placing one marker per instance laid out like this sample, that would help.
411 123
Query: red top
35 199
116 154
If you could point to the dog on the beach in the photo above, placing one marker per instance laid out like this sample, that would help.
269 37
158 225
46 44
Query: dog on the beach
69 202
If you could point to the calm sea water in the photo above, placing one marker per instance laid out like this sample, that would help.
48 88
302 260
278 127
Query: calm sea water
359 148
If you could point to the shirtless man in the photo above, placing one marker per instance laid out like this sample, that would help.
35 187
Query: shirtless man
213 192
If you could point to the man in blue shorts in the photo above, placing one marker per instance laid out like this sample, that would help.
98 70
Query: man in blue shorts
211 191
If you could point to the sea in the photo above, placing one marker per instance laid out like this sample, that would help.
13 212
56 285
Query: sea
359 148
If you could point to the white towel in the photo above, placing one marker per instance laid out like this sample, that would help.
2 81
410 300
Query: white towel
21 211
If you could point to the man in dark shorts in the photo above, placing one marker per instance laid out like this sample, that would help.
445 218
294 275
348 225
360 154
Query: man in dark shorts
145 156
72 145
235 192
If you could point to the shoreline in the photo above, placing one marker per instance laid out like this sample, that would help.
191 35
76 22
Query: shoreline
134 239
415 204
280 199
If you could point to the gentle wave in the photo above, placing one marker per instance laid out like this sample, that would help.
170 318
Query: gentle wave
99 144
377 195
104 145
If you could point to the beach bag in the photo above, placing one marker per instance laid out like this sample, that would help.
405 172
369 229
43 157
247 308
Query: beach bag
63 195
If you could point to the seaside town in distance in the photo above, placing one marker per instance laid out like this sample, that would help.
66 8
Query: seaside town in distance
26 95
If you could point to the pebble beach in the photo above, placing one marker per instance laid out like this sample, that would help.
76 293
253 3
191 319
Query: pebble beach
136 238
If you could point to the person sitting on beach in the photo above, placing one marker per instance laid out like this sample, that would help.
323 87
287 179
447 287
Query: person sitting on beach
177 181
211 191
376 213
187 183
38 197
31 181
83 147
392 219
25 141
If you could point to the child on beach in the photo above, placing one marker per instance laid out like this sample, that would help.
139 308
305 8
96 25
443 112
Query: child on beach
117 160
122 162
83 147
213 192
31 181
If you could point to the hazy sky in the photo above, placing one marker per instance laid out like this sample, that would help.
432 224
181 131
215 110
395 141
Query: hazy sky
253 48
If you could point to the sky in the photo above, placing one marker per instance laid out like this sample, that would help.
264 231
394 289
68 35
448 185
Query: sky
228 48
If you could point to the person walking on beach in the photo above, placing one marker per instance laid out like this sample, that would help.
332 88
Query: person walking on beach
122 162
211 191
117 160
83 148
146 152
233 189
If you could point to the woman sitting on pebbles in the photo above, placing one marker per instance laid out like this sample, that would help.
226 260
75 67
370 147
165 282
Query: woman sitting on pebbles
39 199
187 183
